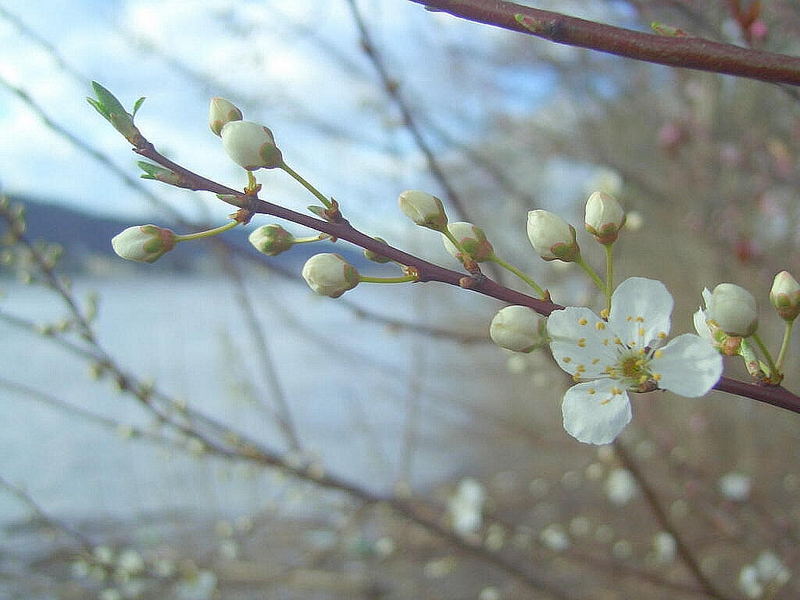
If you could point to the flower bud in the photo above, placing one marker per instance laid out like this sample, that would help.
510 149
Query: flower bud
472 239
330 275
733 310
422 208
516 328
250 145
604 217
552 237
785 296
220 112
271 239
143 243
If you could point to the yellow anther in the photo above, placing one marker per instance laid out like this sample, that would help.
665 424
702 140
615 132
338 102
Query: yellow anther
605 342
657 376
604 313
658 354
617 341
616 391
640 319
600 325
582 321
595 361
629 319
582 343
567 359
592 391
606 401
576 378
662 335
641 331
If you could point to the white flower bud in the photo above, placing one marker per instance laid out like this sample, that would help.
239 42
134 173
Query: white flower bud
604 217
516 328
250 145
785 296
143 243
472 239
551 236
271 239
733 309
220 112
330 274
422 208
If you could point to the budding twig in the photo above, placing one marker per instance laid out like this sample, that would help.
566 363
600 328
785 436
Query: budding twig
682 51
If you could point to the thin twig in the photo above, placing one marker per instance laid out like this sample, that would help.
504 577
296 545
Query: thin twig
651 497
678 51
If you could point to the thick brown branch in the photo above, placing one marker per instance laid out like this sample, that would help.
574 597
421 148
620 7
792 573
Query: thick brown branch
687 52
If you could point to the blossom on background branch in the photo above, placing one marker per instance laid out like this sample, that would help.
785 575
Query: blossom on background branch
675 51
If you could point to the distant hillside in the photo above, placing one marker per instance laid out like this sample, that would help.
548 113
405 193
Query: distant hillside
86 239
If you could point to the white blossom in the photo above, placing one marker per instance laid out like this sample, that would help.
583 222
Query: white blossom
735 486
608 358
620 487
466 506
766 573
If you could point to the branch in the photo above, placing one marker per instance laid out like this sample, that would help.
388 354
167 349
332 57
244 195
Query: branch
687 52
774 395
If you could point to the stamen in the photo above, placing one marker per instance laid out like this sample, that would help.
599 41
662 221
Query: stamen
600 325
582 343
658 354
566 359
582 321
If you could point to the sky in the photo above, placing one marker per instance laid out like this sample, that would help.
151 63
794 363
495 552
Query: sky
293 65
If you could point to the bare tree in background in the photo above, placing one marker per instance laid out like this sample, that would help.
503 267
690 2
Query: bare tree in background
697 499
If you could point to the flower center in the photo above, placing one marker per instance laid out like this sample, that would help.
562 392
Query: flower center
632 367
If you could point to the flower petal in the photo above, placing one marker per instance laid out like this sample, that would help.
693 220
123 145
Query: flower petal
689 366
581 342
640 311
596 412
701 325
